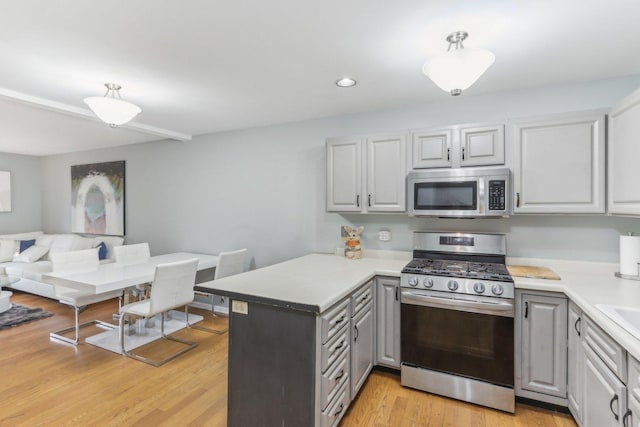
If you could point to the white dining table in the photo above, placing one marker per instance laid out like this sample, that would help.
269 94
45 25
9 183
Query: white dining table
113 276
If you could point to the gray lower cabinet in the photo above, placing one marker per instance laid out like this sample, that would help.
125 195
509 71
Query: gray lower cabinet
633 393
541 347
575 361
605 396
388 322
362 350
633 414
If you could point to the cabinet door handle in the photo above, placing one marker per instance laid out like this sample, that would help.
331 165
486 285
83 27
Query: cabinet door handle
448 154
357 200
369 200
575 326
396 293
518 200
355 338
626 416
526 309
462 153
339 410
340 375
613 399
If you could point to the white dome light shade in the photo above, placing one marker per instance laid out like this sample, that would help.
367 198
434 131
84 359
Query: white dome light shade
456 70
113 111
346 82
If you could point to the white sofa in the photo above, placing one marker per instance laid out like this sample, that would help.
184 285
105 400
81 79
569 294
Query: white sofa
31 272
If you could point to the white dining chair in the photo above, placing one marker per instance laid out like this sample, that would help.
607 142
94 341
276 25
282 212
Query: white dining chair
172 287
76 262
133 254
229 264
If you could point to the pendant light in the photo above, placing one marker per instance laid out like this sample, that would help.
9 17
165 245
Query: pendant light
457 69
110 109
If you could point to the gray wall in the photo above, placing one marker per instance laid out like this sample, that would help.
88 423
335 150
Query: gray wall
264 188
26 203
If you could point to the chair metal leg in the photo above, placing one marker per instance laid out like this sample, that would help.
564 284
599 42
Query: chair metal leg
202 328
59 334
190 345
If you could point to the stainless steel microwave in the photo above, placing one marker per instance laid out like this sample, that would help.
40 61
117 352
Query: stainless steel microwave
459 193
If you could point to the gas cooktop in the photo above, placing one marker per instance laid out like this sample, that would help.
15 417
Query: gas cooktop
456 268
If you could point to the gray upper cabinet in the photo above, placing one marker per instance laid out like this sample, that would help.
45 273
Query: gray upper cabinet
386 173
388 322
623 154
431 148
344 175
458 146
541 369
559 164
481 145
366 174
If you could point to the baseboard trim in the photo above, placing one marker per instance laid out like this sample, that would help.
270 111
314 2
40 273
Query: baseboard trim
543 405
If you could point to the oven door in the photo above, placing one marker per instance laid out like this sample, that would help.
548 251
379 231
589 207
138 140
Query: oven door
461 335
447 197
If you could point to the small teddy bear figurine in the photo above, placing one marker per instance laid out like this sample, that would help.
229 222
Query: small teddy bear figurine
353 249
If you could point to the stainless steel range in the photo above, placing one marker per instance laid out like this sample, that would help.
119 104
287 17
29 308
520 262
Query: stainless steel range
457 309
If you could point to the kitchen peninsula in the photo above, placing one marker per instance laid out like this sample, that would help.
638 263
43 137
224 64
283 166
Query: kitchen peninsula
290 339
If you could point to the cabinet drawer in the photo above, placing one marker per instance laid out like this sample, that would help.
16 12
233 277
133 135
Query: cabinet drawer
361 297
633 382
611 353
334 379
332 350
333 414
334 319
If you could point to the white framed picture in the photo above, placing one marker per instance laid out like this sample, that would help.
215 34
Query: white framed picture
5 191
97 198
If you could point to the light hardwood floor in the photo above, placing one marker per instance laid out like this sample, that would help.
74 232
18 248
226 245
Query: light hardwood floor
44 382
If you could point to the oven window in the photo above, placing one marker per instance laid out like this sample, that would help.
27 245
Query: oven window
444 196
478 346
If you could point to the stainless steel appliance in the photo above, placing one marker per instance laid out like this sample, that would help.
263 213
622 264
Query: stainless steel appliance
463 192
457 310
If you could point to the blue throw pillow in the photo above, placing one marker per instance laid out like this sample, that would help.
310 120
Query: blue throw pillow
102 250
26 244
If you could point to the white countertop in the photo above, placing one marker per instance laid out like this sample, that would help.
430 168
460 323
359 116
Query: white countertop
316 280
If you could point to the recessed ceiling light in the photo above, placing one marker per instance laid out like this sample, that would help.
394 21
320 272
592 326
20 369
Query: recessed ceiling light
346 82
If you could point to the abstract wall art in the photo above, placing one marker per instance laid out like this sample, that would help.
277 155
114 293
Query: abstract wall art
97 198
5 191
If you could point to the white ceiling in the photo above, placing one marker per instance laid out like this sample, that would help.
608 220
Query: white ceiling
200 66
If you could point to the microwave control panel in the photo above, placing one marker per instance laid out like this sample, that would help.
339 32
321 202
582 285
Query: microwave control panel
497 195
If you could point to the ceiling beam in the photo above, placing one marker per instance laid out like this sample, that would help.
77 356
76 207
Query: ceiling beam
85 113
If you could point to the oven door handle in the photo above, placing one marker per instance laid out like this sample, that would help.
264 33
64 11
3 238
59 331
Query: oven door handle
502 308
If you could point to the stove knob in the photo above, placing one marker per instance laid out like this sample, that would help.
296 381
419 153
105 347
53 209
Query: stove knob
427 283
497 289
413 281
478 287
452 285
